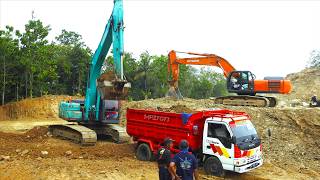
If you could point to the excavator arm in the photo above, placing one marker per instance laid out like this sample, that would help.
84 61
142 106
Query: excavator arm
113 34
198 59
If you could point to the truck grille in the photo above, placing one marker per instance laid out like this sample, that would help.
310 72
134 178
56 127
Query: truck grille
252 158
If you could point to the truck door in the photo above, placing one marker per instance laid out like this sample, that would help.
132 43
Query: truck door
217 142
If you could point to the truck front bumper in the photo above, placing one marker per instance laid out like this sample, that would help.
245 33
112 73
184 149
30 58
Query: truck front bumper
248 167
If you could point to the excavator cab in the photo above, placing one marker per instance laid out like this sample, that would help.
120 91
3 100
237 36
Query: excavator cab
241 82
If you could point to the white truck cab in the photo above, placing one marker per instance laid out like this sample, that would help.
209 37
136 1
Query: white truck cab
230 144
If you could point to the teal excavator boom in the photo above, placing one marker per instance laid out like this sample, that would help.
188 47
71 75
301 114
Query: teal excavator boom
98 113
113 34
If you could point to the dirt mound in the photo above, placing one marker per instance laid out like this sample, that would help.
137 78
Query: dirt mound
186 105
304 84
35 134
41 107
177 109
37 139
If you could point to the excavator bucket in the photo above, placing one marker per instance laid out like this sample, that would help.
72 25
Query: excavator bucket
110 87
174 91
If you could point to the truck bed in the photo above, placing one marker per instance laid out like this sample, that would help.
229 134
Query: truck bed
153 126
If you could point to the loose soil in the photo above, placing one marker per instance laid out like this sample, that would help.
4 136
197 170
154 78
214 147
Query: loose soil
106 160
291 152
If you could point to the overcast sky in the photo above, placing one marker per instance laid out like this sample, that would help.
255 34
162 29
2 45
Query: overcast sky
270 38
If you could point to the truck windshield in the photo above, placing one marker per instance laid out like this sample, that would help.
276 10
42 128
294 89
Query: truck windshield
244 129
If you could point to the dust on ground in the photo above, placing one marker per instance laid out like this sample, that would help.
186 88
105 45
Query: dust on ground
36 155
22 125
292 151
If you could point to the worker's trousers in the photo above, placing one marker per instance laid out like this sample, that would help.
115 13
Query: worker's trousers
164 173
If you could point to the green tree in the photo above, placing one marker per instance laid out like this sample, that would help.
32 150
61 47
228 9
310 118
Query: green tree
70 38
208 84
33 40
73 61
157 78
47 76
8 48
144 66
32 66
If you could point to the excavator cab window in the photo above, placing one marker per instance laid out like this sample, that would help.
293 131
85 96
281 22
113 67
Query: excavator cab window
241 82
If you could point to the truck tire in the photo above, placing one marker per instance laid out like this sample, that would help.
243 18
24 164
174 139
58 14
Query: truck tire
143 152
213 166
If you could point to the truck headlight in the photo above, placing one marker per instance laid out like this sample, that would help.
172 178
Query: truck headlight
240 162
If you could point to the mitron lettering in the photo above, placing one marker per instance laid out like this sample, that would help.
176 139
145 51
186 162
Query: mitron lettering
156 118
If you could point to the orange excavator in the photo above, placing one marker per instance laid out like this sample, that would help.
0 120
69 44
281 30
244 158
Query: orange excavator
243 83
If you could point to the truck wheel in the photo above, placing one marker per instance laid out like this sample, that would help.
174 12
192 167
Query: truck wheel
213 166
143 152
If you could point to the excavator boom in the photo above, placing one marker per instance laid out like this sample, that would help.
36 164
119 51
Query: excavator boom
201 59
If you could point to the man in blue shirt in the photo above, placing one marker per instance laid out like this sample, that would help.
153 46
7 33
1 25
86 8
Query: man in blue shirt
184 163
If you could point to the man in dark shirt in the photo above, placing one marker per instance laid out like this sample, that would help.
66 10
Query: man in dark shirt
164 159
314 101
185 163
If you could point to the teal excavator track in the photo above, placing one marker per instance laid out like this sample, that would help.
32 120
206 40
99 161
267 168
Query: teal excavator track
76 133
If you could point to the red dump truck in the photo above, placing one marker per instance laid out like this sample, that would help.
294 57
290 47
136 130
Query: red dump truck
220 139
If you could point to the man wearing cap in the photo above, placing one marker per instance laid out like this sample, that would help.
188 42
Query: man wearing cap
164 159
185 163
314 101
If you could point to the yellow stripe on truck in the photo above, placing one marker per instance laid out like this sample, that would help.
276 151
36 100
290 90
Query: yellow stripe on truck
225 152
251 152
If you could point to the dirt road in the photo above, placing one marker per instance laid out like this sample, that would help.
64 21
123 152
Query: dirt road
36 155
17 126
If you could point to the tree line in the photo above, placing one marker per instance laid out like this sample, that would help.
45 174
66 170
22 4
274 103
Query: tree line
31 66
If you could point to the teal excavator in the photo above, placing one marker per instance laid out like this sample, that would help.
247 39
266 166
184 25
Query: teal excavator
98 113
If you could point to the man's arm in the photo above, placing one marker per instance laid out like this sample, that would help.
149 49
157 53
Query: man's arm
196 174
172 170
195 168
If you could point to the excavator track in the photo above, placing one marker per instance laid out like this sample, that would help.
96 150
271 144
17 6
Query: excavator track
76 133
117 133
242 100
